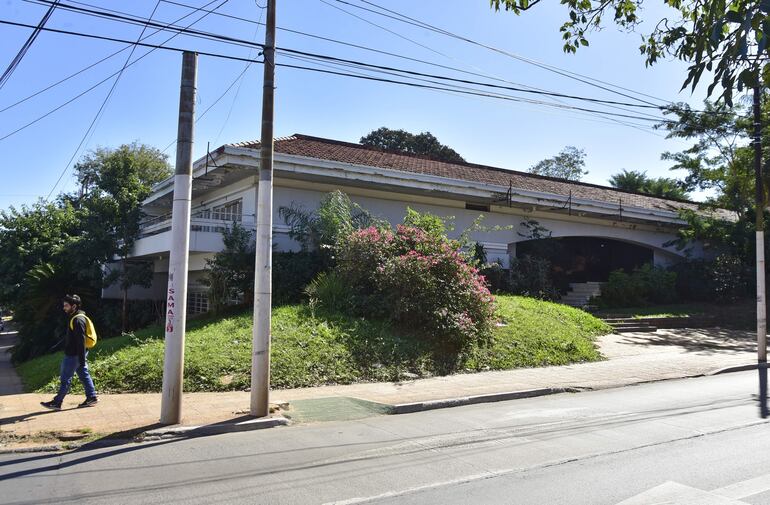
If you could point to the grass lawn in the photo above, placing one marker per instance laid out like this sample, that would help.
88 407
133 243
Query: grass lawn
312 350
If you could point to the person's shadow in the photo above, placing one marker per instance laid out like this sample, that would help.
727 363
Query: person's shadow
24 417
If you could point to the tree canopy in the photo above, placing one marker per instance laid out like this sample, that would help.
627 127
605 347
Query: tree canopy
402 141
568 164
50 248
640 182
725 38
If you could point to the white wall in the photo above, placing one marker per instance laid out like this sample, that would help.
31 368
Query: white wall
499 243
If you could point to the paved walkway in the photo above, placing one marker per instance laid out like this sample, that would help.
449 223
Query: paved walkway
632 359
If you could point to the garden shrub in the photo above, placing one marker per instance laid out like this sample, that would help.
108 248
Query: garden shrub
531 276
417 279
731 280
328 292
498 278
694 280
644 286
292 271
724 279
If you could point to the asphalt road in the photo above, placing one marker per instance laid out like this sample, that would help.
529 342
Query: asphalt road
696 441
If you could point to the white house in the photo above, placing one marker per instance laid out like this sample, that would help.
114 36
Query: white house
601 228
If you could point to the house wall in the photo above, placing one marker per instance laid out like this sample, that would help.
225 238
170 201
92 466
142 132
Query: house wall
503 225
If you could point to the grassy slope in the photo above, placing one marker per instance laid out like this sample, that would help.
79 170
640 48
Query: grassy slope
327 349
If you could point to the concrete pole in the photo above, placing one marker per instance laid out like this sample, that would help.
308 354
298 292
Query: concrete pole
260 354
176 297
760 229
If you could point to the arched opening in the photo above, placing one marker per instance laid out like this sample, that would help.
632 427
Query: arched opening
585 259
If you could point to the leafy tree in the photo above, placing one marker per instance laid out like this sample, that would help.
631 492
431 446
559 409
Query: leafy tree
727 39
404 142
230 273
114 182
719 158
320 230
640 182
43 255
568 164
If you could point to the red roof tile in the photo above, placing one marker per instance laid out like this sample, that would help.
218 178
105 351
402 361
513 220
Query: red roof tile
345 152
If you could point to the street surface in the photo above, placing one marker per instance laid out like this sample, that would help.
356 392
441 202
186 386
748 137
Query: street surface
696 441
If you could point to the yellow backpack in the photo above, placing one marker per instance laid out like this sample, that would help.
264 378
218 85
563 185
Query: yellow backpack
90 330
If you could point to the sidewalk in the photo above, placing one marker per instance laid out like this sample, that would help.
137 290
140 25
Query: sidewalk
632 358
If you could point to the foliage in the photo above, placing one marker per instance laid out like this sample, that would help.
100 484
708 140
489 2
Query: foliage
726 39
402 141
328 292
732 278
719 159
640 182
230 273
694 280
531 276
292 272
431 224
328 348
319 230
52 248
568 164
645 285
726 278
43 255
417 280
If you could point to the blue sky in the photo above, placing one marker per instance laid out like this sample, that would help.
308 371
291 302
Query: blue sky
144 105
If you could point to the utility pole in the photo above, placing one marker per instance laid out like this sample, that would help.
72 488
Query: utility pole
760 226
260 353
176 296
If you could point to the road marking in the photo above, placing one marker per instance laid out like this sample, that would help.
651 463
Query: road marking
673 493
745 488
417 489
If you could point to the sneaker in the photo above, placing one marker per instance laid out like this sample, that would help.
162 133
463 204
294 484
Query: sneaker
90 402
51 405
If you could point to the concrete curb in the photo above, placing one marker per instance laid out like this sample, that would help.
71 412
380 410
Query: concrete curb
68 446
731 369
408 408
212 429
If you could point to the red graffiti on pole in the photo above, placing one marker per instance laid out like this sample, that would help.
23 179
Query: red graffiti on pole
170 310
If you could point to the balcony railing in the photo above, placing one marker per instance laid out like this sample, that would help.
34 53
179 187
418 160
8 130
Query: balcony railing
198 223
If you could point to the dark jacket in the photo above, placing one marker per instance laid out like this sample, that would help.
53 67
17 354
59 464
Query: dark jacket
75 339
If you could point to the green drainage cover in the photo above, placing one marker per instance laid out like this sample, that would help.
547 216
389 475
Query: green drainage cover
333 409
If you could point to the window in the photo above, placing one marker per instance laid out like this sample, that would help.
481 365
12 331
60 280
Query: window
197 302
230 211
476 206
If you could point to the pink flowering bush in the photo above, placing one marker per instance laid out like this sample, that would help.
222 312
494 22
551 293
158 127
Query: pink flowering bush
421 281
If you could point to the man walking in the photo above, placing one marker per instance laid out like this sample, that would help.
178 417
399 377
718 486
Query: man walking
75 355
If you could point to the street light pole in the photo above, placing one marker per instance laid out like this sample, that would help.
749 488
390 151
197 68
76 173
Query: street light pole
760 232
260 354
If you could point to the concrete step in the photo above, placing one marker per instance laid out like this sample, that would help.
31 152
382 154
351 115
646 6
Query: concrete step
636 329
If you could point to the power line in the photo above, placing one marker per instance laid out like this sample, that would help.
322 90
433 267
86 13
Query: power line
247 43
365 48
230 57
114 85
479 93
553 98
110 39
551 68
101 107
25 47
227 90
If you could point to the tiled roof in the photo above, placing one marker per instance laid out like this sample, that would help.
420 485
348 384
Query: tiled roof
346 152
